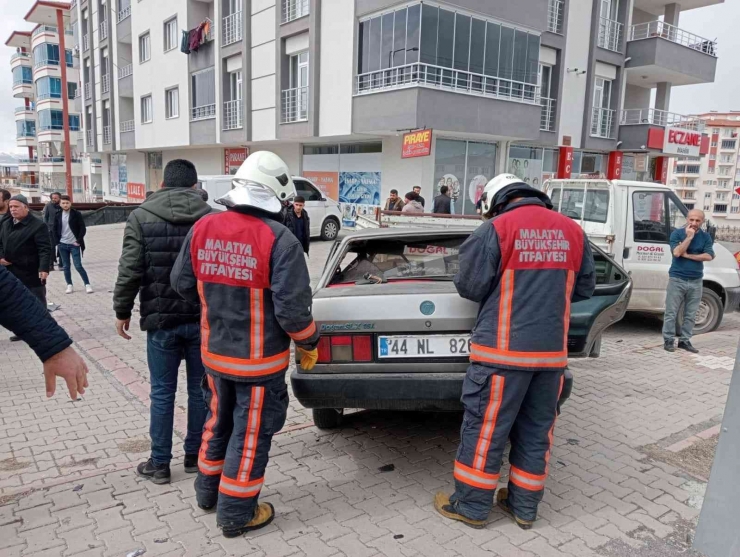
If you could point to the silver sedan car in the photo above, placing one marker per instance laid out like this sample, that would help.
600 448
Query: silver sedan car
395 334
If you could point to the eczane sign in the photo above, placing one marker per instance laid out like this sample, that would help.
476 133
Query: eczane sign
681 142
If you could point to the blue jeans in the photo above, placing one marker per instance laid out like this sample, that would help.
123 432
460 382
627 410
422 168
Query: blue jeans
681 291
165 350
65 250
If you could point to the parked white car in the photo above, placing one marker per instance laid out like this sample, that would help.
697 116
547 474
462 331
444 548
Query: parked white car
324 213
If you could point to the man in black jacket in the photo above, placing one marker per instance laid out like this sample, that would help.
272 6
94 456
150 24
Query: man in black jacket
298 222
69 227
51 209
4 205
419 198
152 240
442 203
22 313
25 248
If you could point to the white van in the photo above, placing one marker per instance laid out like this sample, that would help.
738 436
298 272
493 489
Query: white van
632 222
324 213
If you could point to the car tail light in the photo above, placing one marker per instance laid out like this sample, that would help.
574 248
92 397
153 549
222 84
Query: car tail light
345 349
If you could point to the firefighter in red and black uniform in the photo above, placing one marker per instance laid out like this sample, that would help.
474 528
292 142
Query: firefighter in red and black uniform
524 266
249 274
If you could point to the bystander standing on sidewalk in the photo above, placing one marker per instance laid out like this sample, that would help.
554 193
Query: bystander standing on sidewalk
442 203
419 198
51 209
25 248
154 234
4 205
298 222
394 202
70 228
690 247
413 205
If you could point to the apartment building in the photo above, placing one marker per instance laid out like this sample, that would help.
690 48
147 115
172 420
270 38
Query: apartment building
541 88
45 80
711 182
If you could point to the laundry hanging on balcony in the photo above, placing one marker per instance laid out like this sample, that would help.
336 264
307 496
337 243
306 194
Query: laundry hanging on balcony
193 39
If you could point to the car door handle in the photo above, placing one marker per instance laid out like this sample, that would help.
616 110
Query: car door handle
626 253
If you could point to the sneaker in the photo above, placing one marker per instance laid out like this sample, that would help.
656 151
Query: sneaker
263 515
88 289
158 473
70 289
668 346
191 463
502 500
687 346
445 508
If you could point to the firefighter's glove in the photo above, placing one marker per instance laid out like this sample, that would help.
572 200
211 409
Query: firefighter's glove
308 358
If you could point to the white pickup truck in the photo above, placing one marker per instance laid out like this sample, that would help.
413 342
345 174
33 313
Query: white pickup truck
632 222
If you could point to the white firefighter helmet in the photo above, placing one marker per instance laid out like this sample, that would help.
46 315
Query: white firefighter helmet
494 186
263 181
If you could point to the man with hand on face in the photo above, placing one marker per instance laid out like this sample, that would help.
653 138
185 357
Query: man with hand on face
691 247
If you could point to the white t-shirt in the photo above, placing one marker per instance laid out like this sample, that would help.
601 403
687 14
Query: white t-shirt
67 236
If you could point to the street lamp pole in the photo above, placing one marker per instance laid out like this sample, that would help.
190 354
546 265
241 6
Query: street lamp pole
393 52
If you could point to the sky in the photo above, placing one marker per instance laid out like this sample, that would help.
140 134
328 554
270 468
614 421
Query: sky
715 22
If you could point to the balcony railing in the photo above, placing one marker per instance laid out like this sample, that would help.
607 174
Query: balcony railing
124 13
25 133
107 136
293 9
21 55
106 83
602 122
671 33
44 29
655 117
127 126
88 93
52 159
555 11
24 109
125 71
203 112
233 28
27 160
459 81
610 34
233 115
547 118
89 140
295 105
103 28
85 43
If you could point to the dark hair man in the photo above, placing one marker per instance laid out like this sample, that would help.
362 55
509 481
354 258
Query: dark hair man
154 233
298 222
419 198
443 203
50 213
412 205
393 203
70 228
4 205
250 275
524 267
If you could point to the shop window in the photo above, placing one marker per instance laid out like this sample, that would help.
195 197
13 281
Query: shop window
465 168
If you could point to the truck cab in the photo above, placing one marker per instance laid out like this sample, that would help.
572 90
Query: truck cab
632 222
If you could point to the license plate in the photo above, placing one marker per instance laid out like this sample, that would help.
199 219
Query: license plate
424 346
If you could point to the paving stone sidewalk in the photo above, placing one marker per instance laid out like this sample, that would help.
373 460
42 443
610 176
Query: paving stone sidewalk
67 485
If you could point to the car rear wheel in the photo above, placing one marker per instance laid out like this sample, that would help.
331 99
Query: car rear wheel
330 230
708 316
327 418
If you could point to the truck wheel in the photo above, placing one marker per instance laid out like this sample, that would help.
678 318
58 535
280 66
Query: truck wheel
327 418
708 317
330 230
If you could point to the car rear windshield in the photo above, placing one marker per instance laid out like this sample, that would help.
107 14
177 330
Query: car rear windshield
572 205
383 260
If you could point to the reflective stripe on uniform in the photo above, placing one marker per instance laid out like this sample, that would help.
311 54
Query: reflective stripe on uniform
475 478
210 467
525 480
235 488
489 422
205 327
504 309
257 322
480 353
305 333
566 314
251 435
208 429
244 367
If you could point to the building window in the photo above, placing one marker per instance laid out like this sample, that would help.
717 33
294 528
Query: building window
146 109
51 119
715 131
48 88
728 132
728 144
170 34
172 103
734 209
295 98
707 195
720 208
461 163
602 115
235 85
22 75
145 48
721 197
735 196
71 90
203 94
710 170
714 143
46 54
437 46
